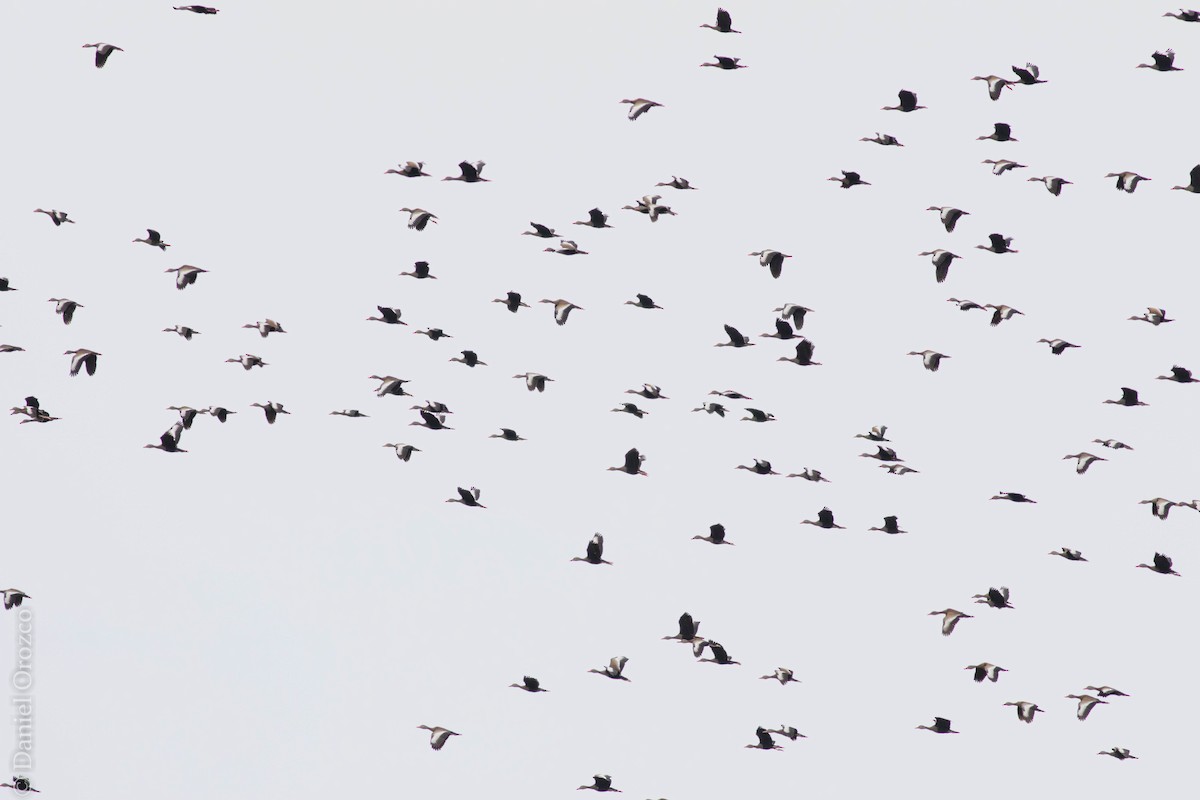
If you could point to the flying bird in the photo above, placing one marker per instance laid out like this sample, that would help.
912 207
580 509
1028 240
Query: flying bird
996 598
103 51
1083 461
404 451
1122 753
630 408
266 327
765 740
186 275
986 671
512 301
169 441
1025 710
760 467
601 783
534 381
648 391
849 179
65 308
824 520
1053 185
1127 181
876 434
772 259
1163 565
931 359
950 618
995 84
794 312
1129 397
719 655
716 535
643 301
57 217
528 684
941 262
940 725
419 218
566 247
1057 346
724 62
1179 375
677 183
1002 312
596 219
1001 132
736 339
804 353
1028 76
1086 704
638 107
949 215
470 358
1155 316
467 497
1164 61
248 361
632 465
183 330
154 240
724 23
1068 554
437 735
885 139
420 271
271 410
688 628
614 670
1193 185
471 173
595 551
908 102
409 169
1003 165
82 359
22 785
781 674
811 475
562 308
1015 497
540 231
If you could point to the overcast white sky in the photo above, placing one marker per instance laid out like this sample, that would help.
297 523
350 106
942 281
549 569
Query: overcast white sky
273 613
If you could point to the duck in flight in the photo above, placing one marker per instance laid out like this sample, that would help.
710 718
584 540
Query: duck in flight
639 106
716 535
632 465
468 497
595 551
908 102
103 51
940 725
724 23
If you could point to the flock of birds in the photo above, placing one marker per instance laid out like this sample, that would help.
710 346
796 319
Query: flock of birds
785 327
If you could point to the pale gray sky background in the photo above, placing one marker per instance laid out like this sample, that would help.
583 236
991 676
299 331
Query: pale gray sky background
273 613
